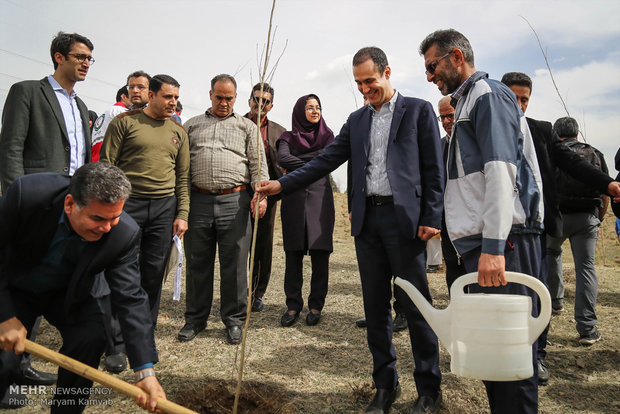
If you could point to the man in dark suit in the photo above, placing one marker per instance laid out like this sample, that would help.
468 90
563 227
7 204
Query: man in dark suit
270 132
551 154
39 131
396 203
56 234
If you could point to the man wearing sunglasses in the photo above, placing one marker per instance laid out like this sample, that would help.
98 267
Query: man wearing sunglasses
270 132
41 134
493 199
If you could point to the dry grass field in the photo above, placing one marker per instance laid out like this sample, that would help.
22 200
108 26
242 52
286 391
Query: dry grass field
327 368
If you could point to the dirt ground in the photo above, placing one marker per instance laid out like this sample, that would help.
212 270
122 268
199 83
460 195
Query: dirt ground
327 368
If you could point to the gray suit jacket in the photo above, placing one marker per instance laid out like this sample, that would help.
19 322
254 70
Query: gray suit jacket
34 136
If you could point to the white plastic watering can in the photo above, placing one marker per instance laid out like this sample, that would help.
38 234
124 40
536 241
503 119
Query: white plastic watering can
489 336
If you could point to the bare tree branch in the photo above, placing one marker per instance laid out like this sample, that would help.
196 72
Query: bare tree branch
266 53
550 71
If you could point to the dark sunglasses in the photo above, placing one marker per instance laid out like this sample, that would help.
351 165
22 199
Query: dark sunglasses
257 100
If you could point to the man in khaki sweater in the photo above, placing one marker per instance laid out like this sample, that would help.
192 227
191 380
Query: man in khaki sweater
152 150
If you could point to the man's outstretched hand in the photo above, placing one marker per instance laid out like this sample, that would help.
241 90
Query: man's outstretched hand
269 187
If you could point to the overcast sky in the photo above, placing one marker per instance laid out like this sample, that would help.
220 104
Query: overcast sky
196 40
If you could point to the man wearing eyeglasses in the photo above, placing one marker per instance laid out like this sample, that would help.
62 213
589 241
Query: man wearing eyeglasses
493 200
224 160
45 129
270 132
44 123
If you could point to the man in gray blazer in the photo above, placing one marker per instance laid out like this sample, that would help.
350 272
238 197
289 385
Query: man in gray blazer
39 130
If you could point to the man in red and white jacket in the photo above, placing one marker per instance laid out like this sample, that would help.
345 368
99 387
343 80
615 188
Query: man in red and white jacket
101 124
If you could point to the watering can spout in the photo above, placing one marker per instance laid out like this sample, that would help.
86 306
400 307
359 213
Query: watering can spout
439 320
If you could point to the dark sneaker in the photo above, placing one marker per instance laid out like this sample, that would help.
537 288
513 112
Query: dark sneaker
432 269
400 322
591 338
543 372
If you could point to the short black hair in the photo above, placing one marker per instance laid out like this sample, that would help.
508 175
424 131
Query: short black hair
566 127
179 106
138 74
447 40
99 181
158 80
122 91
377 55
223 76
517 78
62 44
266 88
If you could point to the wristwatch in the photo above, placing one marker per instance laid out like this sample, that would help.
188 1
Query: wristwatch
149 372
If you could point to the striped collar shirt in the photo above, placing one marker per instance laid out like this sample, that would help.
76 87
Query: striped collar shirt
224 152
461 90
377 182
73 124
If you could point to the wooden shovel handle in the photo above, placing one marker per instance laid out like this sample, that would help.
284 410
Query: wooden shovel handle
100 377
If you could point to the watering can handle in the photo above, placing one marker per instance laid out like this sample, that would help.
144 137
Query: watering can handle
538 324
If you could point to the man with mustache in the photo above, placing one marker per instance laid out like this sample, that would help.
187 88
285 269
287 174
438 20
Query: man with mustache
225 162
152 150
41 134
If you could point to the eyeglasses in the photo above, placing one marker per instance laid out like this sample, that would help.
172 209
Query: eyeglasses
442 118
81 58
257 100
430 68
313 109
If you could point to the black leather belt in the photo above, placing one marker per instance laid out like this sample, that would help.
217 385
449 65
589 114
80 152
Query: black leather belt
378 200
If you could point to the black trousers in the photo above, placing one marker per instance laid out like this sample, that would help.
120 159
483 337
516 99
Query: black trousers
263 250
83 338
217 223
454 265
294 279
155 218
522 254
383 252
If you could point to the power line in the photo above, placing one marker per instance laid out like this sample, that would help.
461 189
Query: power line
47 64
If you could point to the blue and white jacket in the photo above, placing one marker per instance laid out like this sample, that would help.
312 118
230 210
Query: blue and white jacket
494 184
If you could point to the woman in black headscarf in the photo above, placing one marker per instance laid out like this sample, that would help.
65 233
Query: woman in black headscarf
307 214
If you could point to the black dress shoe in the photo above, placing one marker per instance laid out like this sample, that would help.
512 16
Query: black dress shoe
233 334
426 404
115 363
31 376
289 319
189 332
400 323
11 401
383 400
361 323
313 318
543 372
258 305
